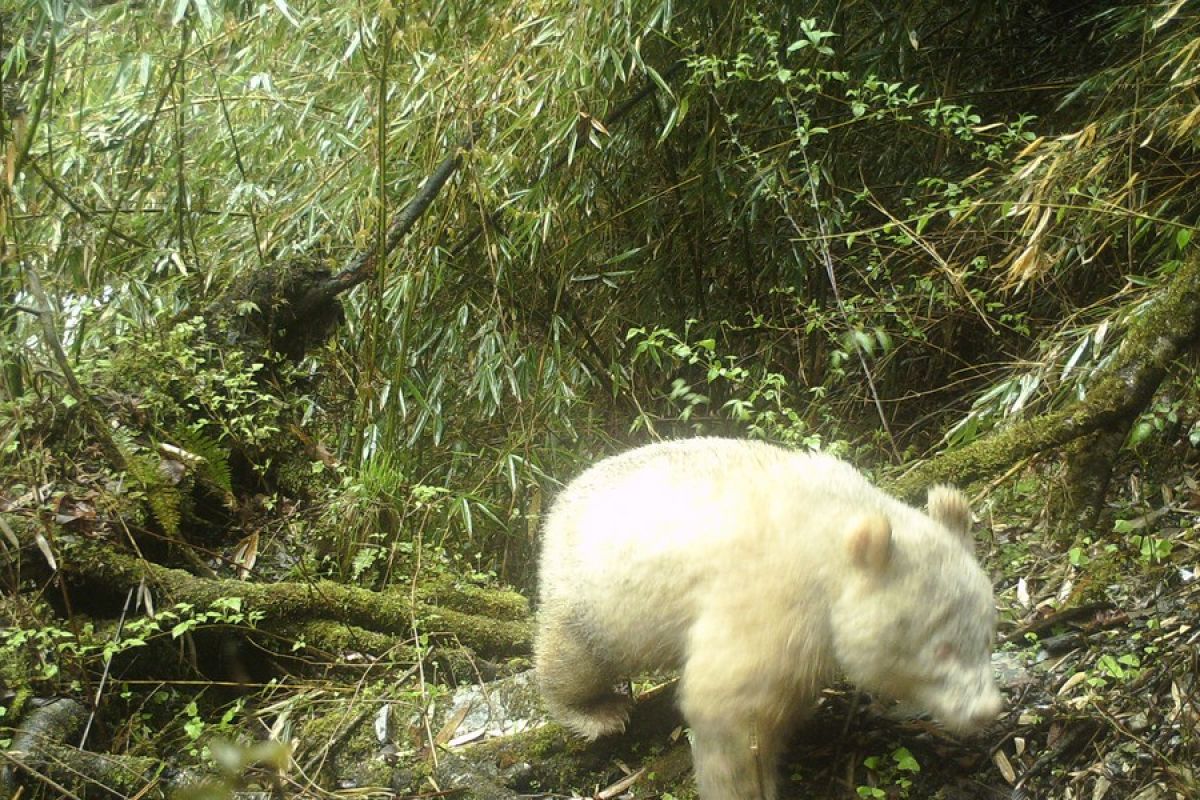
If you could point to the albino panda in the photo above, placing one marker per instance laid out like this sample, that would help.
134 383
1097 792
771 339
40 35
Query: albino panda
761 574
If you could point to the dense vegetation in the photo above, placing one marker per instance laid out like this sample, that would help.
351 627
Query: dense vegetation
308 309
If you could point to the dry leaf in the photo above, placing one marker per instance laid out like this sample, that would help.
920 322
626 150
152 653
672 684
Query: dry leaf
1029 148
246 555
9 535
448 730
47 553
144 598
1071 682
1005 766
620 786
1169 14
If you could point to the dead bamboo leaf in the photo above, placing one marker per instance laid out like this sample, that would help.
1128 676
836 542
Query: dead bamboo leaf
1023 593
1042 222
1071 682
451 727
1030 168
9 535
1028 265
1029 148
466 738
1005 766
620 786
1183 60
1168 15
47 552
179 454
245 556
144 598
1185 125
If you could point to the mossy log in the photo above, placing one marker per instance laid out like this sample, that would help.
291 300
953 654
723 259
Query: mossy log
59 770
495 623
1121 390
42 761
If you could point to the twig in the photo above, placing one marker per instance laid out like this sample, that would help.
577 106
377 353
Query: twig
592 355
77 207
22 766
422 687
955 279
827 259
107 666
617 114
1062 617
1169 324
349 726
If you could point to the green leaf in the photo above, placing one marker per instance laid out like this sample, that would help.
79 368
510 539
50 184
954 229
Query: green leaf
1140 433
864 341
228 603
204 12
1109 664
905 761
286 11
1182 237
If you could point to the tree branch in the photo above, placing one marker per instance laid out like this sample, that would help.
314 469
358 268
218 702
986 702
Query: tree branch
1121 390
364 264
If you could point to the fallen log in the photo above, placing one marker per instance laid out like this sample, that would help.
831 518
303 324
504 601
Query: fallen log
495 623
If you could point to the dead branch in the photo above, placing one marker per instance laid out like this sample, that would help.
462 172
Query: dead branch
364 264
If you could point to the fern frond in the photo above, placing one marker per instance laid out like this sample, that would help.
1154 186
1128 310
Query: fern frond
165 503
214 468
164 500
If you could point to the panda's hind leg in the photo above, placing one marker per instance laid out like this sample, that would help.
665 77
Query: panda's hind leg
578 686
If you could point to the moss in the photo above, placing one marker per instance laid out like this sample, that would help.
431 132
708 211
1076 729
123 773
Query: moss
447 591
280 604
1121 390
344 743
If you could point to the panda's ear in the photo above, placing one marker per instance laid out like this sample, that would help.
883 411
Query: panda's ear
870 542
949 506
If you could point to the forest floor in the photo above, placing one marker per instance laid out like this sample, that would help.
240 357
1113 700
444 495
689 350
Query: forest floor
1098 657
